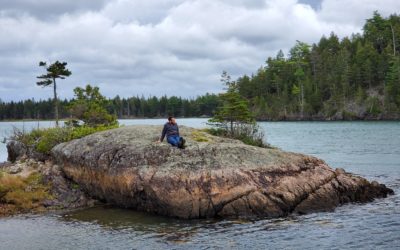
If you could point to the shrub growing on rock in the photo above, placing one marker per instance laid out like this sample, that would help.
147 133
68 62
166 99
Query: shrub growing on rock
89 106
234 119
43 140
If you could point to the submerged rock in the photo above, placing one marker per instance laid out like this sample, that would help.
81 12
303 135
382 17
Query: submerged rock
212 177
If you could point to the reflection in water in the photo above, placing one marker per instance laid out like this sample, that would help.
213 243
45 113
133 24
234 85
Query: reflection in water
111 218
374 225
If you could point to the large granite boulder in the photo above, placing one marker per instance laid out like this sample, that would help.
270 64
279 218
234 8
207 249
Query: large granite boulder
212 177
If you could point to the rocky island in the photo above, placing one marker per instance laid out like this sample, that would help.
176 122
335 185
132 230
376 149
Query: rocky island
212 177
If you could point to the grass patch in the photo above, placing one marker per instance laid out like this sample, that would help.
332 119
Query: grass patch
200 136
23 194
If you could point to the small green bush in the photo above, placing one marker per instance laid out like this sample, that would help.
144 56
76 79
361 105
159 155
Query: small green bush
79 132
52 137
217 131
250 135
43 140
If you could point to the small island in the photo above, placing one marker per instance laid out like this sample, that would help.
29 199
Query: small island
200 124
212 177
228 170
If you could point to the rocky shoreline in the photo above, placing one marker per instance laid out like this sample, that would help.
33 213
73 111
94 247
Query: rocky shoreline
30 186
212 177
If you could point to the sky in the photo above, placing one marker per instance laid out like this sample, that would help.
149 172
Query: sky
160 47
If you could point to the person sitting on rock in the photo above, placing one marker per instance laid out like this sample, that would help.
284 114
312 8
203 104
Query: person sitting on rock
171 130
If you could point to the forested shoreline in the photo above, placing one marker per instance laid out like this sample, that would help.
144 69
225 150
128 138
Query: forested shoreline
353 78
133 107
357 77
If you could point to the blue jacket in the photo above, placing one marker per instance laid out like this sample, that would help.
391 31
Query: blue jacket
169 130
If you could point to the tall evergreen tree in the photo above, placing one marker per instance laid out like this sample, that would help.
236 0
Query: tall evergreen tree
54 71
234 110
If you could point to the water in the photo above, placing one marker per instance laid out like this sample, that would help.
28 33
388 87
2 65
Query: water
370 149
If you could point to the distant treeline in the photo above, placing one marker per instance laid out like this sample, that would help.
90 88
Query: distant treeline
351 78
357 77
132 107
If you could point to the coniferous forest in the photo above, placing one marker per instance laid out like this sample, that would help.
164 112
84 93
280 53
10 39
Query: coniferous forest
356 77
133 107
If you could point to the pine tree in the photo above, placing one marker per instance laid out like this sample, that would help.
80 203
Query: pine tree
234 110
54 71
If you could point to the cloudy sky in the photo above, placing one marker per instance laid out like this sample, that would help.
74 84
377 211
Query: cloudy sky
157 47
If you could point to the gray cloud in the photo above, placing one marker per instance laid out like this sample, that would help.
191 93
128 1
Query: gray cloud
315 4
46 9
155 47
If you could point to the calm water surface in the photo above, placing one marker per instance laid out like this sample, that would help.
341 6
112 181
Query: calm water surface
370 149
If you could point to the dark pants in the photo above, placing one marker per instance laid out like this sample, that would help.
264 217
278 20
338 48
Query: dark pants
173 140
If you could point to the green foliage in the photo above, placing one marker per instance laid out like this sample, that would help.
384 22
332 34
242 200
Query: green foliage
132 107
325 79
373 106
82 131
234 118
360 95
199 136
217 131
43 140
300 52
51 137
295 90
317 81
54 71
393 81
251 134
234 109
90 107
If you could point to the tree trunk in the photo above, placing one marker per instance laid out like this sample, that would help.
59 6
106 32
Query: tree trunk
55 101
302 100
394 41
